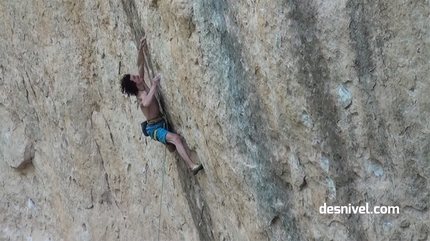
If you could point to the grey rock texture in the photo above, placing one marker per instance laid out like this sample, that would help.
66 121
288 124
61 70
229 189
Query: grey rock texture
289 105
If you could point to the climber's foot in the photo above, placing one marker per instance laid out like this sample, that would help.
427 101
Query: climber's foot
196 169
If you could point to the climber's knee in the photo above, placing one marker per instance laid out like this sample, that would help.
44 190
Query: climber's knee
171 147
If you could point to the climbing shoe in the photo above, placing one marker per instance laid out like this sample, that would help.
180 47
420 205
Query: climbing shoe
196 169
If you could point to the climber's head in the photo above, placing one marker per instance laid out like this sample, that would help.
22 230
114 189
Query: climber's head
130 83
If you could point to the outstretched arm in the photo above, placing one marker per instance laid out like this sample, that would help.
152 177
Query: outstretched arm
141 52
141 57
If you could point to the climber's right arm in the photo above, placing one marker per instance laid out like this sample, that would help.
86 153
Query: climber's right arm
141 52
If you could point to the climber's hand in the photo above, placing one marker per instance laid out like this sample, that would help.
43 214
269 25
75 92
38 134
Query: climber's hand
156 80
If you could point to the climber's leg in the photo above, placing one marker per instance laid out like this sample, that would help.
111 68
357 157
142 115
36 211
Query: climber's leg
171 147
175 139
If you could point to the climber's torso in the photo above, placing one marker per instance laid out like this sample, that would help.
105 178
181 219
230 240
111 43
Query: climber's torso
152 111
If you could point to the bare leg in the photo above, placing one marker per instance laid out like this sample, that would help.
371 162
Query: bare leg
175 139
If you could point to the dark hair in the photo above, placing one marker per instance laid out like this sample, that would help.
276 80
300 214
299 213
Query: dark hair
128 86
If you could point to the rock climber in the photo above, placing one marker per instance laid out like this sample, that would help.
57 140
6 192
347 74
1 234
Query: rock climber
156 126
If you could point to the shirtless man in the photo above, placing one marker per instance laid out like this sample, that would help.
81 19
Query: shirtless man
135 85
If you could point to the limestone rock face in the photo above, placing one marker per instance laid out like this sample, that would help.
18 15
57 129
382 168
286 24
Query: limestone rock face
289 105
15 147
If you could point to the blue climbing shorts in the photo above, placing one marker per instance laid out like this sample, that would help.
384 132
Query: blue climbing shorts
157 132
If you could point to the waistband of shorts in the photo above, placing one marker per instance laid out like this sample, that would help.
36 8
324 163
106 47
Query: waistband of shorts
155 120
